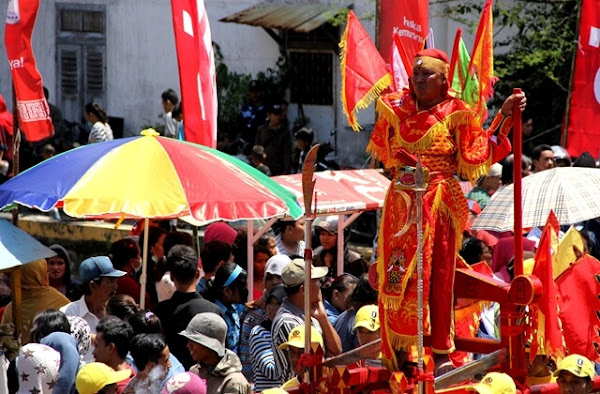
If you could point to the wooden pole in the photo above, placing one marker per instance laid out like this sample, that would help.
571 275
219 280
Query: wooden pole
15 285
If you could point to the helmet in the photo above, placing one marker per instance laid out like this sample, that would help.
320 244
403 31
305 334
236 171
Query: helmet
328 223
561 153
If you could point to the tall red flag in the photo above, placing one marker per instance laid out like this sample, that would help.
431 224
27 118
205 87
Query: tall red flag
406 19
197 75
583 127
364 72
579 289
547 338
32 107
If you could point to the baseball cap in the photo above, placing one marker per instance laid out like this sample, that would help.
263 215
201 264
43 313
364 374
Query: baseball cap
327 223
96 267
296 338
495 383
293 273
276 264
207 329
93 377
185 383
578 365
495 170
367 317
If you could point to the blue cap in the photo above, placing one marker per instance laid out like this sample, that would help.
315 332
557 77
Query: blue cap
96 267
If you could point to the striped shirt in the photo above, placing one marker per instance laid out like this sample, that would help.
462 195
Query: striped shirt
100 132
253 318
263 363
287 318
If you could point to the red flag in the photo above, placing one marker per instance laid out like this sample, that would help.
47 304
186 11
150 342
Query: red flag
579 290
548 337
196 71
583 127
364 72
406 19
482 60
32 107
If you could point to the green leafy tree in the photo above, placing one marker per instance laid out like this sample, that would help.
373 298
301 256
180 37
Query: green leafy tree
535 55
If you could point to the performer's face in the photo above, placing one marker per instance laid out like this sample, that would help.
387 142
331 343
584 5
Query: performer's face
427 84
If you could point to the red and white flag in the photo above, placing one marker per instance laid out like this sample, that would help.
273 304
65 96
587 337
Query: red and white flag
32 107
197 75
583 127
408 21
400 64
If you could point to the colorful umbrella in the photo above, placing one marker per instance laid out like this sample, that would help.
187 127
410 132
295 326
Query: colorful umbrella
150 177
570 192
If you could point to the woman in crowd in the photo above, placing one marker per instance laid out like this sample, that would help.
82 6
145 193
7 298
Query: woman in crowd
336 293
59 273
362 295
101 130
261 256
156 260
126 256
475 250
36 296
261 351
229 289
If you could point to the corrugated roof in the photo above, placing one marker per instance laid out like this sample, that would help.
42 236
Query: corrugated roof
300 17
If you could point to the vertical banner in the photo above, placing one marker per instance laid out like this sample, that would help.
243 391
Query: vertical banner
408 20
196 71
583 127
32 107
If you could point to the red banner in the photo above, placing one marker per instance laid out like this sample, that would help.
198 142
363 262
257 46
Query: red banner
33 109
196 71
408 19
583 127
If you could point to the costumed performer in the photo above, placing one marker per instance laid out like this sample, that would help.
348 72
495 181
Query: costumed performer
426 119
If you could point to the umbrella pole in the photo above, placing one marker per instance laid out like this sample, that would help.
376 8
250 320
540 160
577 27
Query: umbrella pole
143 278
250 259
308 257
518 207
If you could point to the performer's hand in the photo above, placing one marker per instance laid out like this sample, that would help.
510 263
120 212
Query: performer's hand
507 106
317 310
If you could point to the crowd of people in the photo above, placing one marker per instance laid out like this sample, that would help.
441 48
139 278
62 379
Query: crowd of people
200 328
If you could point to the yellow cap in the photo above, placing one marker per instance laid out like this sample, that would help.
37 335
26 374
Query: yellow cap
296 338
367 317
93 377
496 383
578 365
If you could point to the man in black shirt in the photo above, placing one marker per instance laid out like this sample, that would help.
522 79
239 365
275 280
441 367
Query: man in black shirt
176 312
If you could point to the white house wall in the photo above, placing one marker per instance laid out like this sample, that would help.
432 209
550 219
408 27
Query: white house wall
141 62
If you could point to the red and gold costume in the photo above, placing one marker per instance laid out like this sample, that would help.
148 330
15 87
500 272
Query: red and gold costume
449 138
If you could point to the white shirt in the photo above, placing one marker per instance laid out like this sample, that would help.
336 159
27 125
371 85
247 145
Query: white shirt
80 308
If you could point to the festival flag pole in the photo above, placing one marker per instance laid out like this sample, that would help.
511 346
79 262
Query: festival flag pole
308 186
420 183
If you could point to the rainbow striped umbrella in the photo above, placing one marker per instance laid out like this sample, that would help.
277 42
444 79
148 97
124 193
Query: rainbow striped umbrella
149 177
